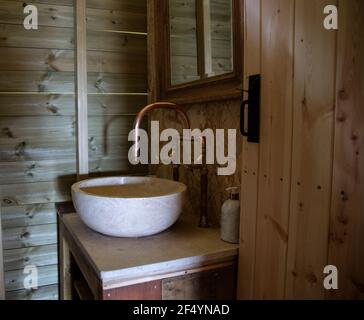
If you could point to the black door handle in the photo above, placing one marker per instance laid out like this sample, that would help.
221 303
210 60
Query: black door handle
244 104
252 131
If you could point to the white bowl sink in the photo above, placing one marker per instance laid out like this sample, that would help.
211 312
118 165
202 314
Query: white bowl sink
128 206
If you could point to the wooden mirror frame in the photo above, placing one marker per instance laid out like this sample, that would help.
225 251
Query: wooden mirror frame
220 87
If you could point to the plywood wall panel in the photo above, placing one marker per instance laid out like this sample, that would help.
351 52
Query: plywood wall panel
346 246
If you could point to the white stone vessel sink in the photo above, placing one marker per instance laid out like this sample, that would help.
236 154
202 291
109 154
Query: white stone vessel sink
128 206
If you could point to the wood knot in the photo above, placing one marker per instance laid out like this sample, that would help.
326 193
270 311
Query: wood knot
343 95
343 219
341 117
8 133
20 149
344 196
25 235
304 102
311 277
300 206
53 109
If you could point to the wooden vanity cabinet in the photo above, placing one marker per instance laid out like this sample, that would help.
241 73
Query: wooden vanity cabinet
215 283
210 275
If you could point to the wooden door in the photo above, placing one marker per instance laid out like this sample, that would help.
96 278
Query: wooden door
294 221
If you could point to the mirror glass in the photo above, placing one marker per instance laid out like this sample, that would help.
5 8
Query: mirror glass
200 39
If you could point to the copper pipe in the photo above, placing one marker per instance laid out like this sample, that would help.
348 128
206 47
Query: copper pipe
159 105
203 213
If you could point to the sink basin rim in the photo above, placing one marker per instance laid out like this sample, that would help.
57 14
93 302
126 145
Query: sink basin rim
77 187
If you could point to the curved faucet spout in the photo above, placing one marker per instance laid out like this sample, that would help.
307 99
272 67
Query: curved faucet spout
154 106
162 105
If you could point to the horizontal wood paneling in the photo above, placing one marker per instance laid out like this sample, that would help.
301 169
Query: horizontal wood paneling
45 37
15 238
64 105
37 129
47 275
220 48
122 5
39 149
46 170
11 12
58 2
16 259
40 192
42 293
34 214
61 127
63 39
107 19
50 81
187 65
29 59
102 41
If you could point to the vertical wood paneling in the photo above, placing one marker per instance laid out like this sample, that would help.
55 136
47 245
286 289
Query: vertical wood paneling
313 109
347 216
309 190
249 186
275 149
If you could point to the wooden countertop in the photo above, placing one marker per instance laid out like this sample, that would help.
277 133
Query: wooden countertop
125 261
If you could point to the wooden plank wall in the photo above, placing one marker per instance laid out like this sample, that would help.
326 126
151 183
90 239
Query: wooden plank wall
37 120
117 72
308 212
37 144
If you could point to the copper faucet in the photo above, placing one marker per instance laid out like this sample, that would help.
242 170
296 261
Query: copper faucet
187 125
160 105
